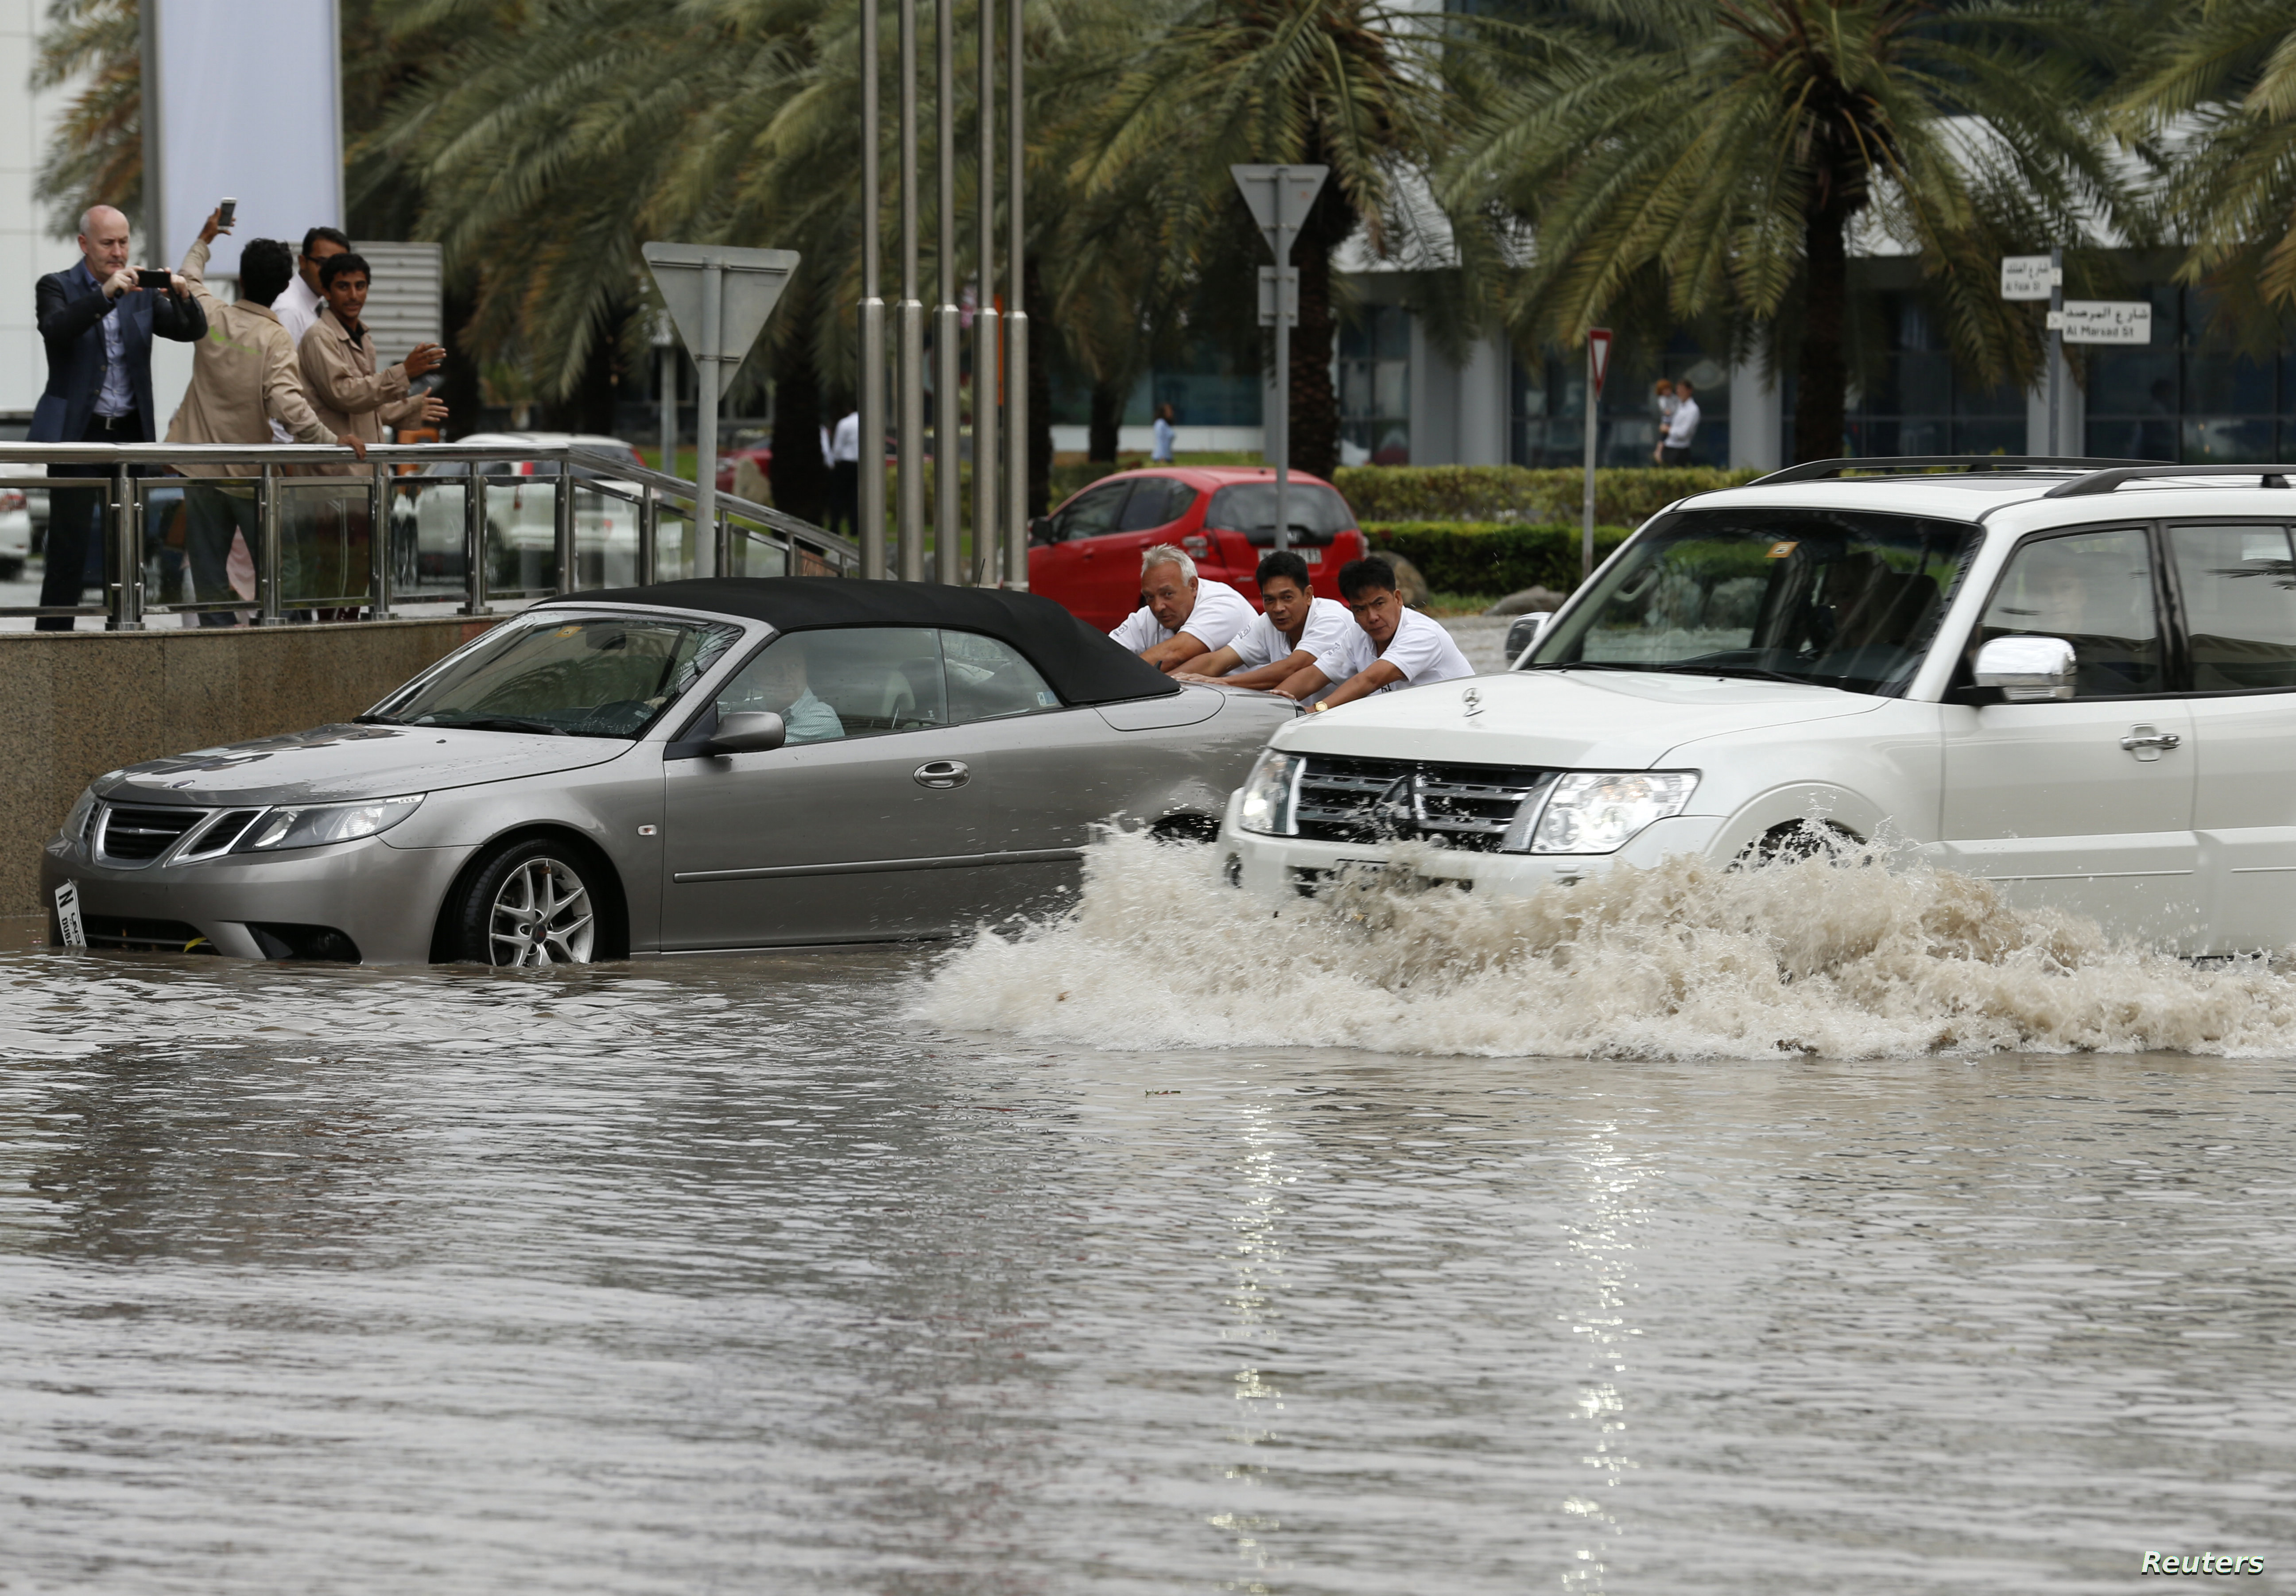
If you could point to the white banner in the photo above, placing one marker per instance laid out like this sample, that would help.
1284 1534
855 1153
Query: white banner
2104 322
249 106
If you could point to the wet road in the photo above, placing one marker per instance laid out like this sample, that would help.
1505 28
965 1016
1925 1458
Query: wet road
734 1274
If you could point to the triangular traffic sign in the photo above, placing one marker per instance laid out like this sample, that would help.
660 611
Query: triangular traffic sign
1598 354
1297 188
750 282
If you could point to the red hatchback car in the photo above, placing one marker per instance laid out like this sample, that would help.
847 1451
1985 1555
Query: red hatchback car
1086 555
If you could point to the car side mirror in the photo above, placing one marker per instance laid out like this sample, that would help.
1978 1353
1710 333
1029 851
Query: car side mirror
748 731
2028 670
1040 531
1524 632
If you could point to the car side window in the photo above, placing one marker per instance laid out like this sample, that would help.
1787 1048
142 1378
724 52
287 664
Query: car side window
1094 512
862 682
2094 590
2238 584
1155 501
988 679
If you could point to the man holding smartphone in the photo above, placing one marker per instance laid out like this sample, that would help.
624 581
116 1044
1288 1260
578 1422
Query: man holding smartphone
97 320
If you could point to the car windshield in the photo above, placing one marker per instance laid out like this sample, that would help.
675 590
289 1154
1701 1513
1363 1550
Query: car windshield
1834 598
566 675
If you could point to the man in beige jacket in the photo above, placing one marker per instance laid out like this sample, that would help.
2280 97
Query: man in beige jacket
349 395
244 373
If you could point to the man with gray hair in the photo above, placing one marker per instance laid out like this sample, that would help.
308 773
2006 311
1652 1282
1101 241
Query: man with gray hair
1183 617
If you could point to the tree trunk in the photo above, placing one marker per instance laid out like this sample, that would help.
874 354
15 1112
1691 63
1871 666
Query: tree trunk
1822 376
1107 415
799 475
1040 391
1315 405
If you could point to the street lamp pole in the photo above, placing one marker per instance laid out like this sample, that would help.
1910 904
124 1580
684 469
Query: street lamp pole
985 540
911 509
1016 325
869 512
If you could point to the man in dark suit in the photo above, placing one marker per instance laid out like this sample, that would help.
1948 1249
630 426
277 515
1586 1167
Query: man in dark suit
98 325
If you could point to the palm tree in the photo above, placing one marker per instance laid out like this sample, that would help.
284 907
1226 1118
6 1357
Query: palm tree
1730 149
96 155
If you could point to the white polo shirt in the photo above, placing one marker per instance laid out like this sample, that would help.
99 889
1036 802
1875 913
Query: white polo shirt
1220 614
1260 643
1421 648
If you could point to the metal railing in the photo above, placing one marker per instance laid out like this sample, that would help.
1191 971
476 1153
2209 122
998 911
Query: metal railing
463 537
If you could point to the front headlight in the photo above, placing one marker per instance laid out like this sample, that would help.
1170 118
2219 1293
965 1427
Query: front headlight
1597 812
315 825
1271 796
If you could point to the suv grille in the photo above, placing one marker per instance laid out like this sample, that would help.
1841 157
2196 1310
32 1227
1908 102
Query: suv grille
1378 800
135 834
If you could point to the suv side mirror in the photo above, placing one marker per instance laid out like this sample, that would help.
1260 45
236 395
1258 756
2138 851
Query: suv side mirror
2028 670
1524 632
748 731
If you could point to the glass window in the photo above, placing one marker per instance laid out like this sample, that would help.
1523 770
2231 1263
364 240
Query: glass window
859 682
988 680
1091 512
2095 590
2239 589
586 676
1833 598
1155 501
1250 507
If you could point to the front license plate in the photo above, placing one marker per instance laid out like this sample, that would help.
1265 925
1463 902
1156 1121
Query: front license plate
68 915
1312 556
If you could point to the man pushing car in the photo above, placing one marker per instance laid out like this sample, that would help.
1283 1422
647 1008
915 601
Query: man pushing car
1185 616
1393 646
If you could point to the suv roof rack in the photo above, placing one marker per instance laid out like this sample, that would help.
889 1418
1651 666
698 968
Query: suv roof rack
1884 465
2105 481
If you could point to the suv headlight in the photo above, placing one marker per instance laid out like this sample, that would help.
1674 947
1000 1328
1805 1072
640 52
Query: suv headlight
1271 796
1597 812
315 825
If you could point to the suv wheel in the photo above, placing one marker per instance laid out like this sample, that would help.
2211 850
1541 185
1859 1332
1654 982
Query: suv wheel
532 902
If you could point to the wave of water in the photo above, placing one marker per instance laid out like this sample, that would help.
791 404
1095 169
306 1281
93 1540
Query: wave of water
1850 954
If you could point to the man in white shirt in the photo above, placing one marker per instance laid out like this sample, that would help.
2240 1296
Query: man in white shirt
1682 428
1285 639
1393 646
1183 617
845 475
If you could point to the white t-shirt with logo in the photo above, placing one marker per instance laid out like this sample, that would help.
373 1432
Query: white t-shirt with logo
1421 648
1220 614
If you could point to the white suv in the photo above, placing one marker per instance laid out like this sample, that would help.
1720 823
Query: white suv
2075 679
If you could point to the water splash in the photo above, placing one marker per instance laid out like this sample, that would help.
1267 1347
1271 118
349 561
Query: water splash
1850 954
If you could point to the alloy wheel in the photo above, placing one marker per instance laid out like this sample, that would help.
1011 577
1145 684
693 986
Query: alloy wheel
542 914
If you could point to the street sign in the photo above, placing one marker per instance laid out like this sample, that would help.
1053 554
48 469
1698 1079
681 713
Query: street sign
2103 321
2028 276
1270 293
1598 356
1280 198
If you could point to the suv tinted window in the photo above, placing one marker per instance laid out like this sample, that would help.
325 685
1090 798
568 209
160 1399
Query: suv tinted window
2095 590
859 682
1249 508
2239 589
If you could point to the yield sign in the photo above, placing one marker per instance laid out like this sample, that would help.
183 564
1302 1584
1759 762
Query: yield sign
1279 198
1598 354
719 297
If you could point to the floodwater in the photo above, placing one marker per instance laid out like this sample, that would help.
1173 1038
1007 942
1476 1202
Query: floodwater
867 1271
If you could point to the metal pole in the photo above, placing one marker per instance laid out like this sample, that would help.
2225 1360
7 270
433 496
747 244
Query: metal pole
1016 321
562 528
126 595
1586 532
649 536
474 542
911 486
986 544
707 559
1282 377
869 512
267 557
2056 344
669 407
378 543
948 444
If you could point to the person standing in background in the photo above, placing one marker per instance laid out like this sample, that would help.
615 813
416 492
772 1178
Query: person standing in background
1683 430
1165 433
1663 397
97 323
845 476
298 309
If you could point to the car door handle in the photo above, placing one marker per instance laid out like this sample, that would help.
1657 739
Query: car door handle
2149 742
941 773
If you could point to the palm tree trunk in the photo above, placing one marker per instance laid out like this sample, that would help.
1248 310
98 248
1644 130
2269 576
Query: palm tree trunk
1107 415
1822 376
800 476
1315 405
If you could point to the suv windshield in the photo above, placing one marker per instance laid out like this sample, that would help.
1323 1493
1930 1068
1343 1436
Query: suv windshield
1834 598
575 677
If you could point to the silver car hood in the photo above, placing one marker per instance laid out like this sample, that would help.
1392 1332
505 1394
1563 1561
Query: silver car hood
342 762
1567 719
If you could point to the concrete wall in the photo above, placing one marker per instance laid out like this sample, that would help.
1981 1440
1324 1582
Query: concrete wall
76 704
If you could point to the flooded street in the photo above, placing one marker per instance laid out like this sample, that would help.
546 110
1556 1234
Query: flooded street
781 1272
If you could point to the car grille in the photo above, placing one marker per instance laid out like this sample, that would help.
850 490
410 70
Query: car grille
1378 800
135 834
154 936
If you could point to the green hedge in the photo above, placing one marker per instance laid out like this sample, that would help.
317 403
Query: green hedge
1491 557
1623 497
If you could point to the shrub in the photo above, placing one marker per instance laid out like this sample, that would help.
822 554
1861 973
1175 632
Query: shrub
1491 558
1623 496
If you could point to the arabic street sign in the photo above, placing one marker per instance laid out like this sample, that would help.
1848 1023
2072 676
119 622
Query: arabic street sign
1598 356
2028 277
1279 198
2104 322
748 282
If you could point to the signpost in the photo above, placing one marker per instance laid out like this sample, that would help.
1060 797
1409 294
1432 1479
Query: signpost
718 296
1280 198
2037 277
1598 364
2102 321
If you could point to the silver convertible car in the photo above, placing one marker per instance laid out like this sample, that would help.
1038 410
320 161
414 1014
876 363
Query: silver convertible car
689 766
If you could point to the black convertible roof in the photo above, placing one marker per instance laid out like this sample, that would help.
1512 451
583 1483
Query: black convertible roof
1083 665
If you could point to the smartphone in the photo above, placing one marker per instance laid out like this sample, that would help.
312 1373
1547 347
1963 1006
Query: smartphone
150 277
229 209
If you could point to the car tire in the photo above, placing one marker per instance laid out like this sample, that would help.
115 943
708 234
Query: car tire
532 902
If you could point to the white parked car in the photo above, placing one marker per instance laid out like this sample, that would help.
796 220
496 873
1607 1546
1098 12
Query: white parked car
426 519
2078 684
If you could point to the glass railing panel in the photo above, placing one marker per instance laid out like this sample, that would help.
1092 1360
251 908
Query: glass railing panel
222 538
323 546
605 538
521 536
426 538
